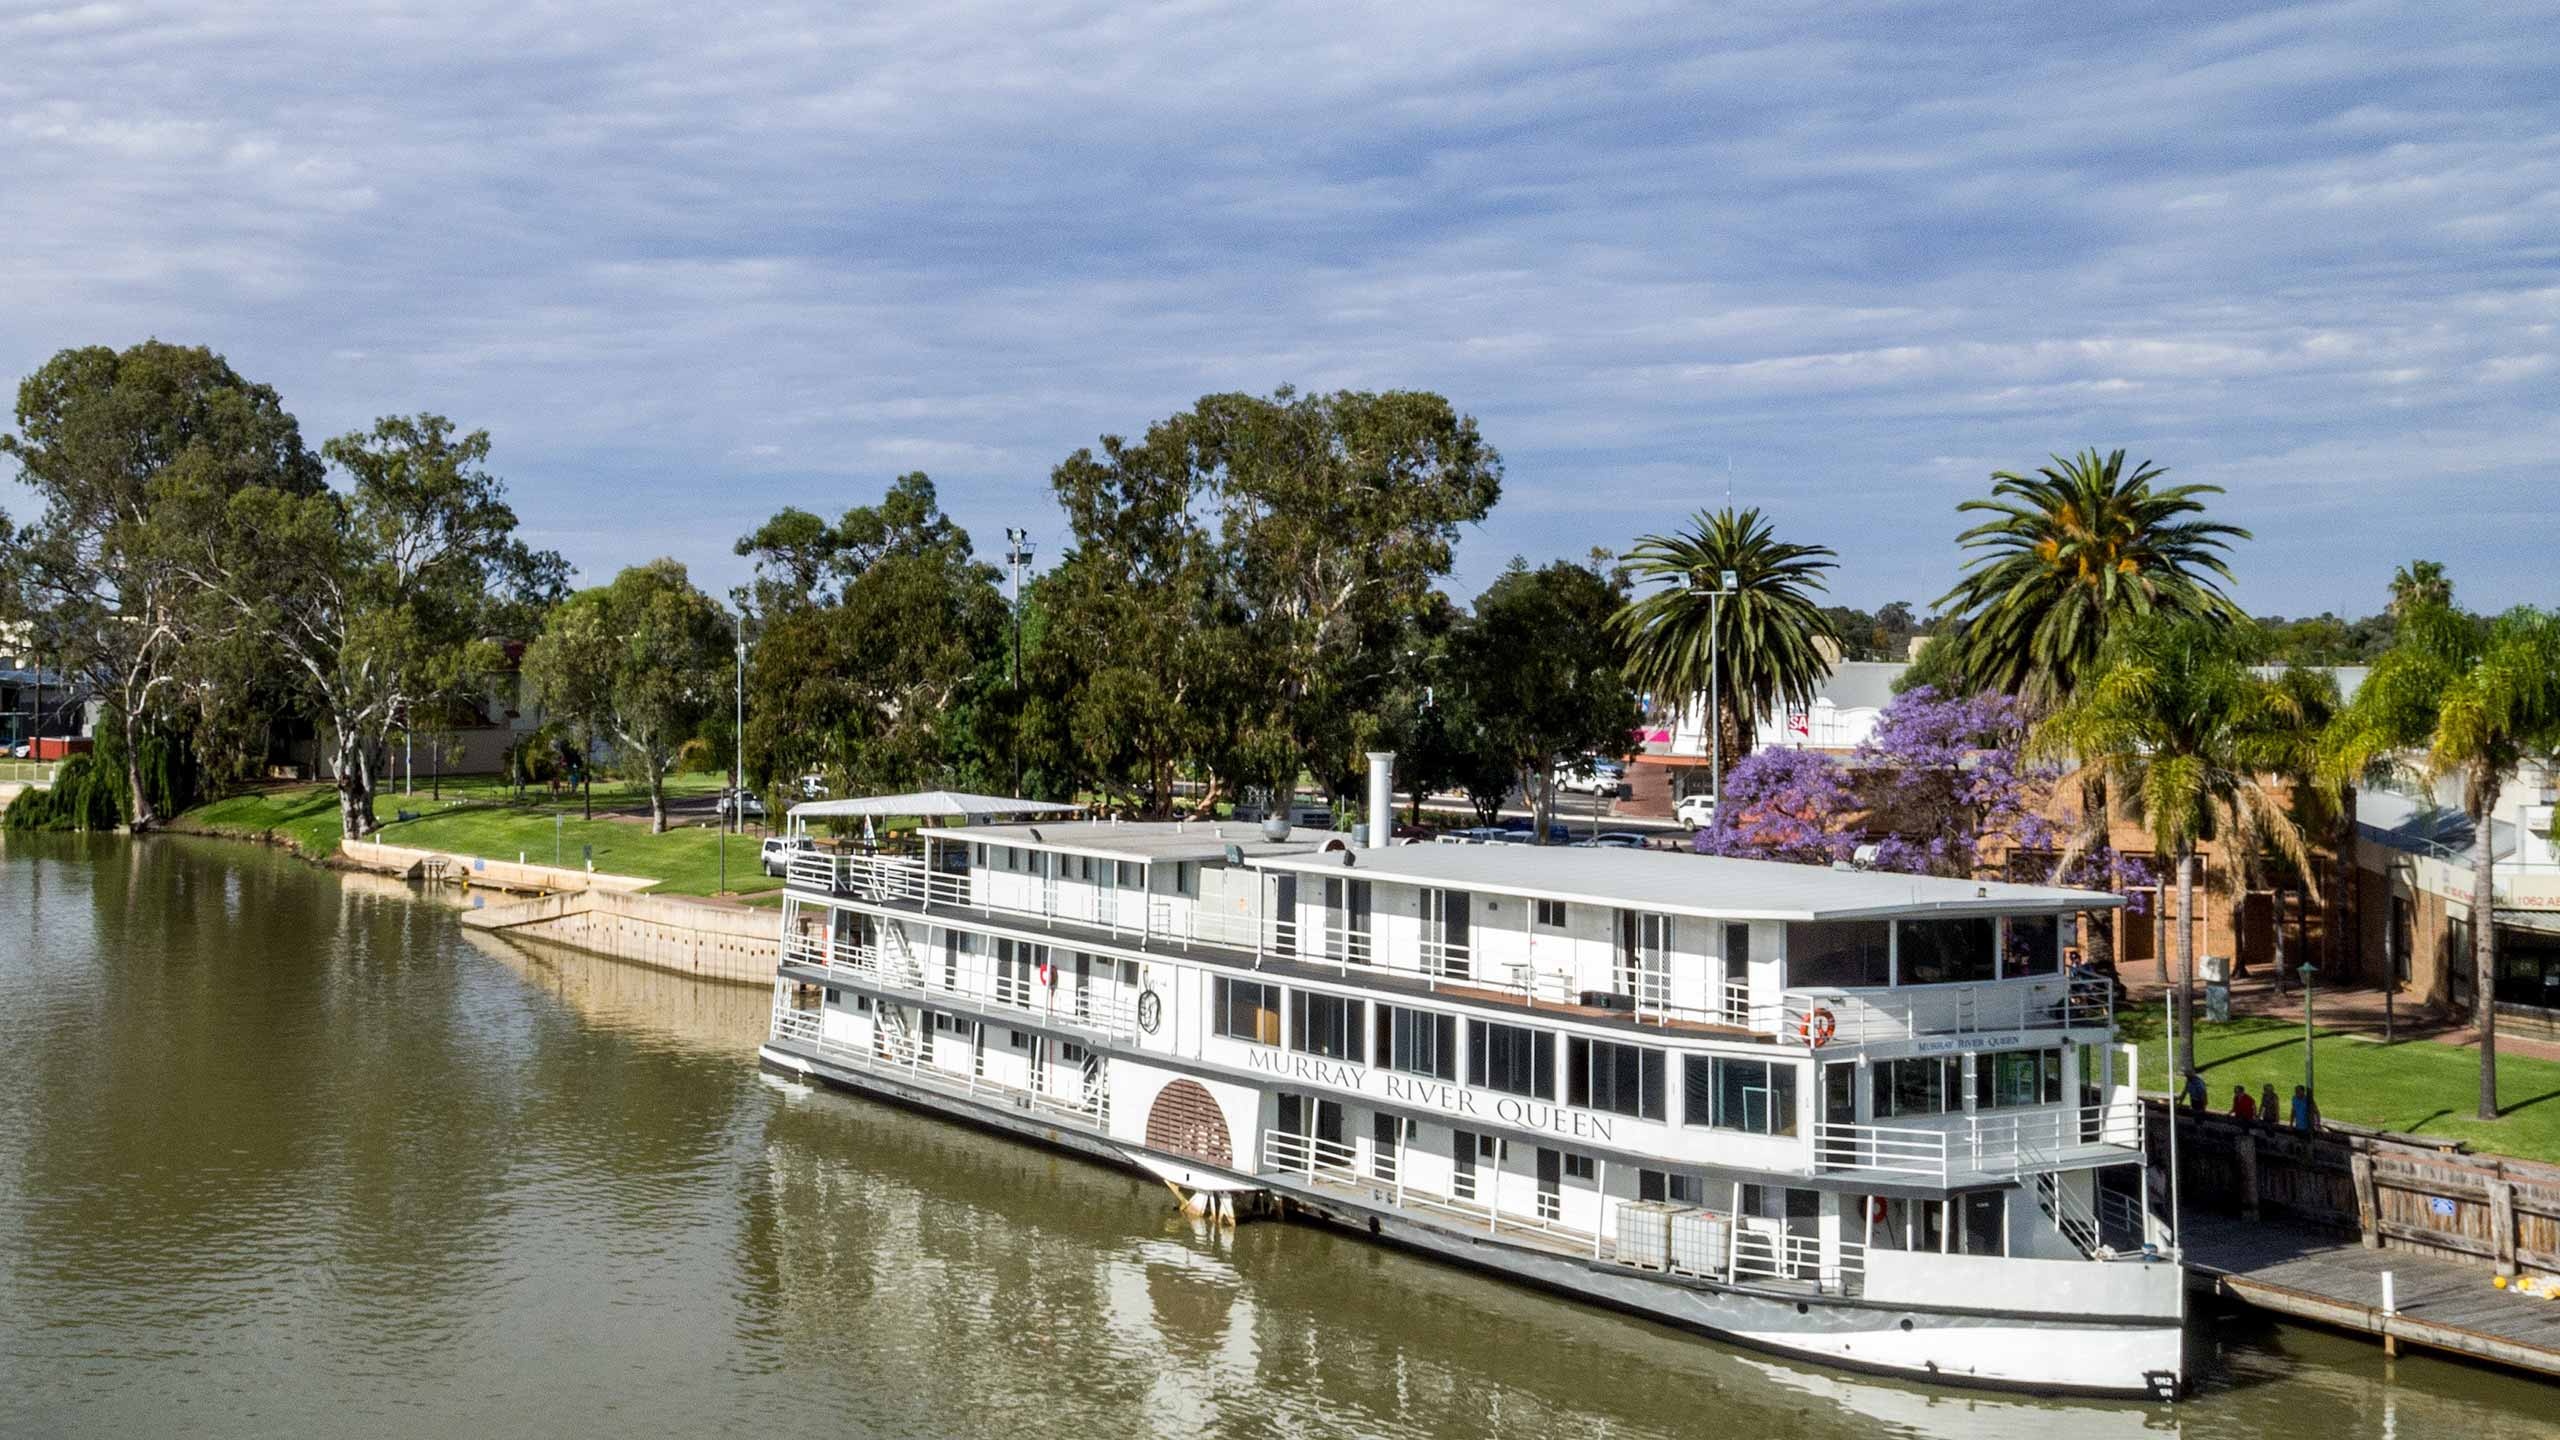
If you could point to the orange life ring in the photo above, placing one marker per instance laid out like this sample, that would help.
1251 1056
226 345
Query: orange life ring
1817 1027
1875 1210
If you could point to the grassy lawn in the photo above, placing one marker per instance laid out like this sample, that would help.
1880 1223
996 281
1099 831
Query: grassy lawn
477 815
2418 1087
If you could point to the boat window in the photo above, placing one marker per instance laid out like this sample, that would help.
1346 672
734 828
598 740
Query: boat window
1327 1025
1579 1167
1512 1058
2017 1077
1246 1010
1626 1079
1417 1042
1923 1085
2030 945
1941 952
1756 1096
1551 914
1842 953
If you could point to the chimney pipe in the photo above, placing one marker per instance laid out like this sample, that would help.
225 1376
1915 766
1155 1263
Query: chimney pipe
1382 798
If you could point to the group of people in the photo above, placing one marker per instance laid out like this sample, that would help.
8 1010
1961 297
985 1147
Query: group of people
2304 1114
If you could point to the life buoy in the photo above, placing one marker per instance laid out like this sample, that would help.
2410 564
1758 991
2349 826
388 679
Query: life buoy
1817 1027
1875 1210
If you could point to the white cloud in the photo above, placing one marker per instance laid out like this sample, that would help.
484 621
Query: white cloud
725 261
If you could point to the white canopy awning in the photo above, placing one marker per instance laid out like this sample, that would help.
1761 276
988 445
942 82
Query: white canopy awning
927 804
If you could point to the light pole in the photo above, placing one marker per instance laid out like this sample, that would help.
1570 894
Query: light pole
2308 1088
738 769
1715 694
1017 558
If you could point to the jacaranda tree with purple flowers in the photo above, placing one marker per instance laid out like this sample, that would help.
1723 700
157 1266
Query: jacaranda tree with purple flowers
1942 787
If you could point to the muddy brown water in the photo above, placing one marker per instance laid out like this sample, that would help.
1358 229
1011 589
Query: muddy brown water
284 1153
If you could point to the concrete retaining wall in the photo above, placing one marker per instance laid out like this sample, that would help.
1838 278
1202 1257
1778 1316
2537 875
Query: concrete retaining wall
717 942
411 863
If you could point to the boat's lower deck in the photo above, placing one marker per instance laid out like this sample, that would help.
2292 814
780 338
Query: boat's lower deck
1962 1319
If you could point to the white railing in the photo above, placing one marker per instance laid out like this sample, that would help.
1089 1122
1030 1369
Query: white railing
1863 1017
896 1050
1101 1005
1318 1159
2071 1219
1768 1253
2001 1143
27 772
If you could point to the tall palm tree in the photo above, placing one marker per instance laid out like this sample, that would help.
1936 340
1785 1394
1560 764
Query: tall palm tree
1766 632
2198 747
2418 585
2457 697
2066 555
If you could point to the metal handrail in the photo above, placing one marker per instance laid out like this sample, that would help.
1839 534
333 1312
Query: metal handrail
897 1052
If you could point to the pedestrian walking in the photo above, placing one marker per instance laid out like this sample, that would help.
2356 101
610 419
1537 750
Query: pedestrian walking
2301 1109
2195 1092
2267 1112
2243 1109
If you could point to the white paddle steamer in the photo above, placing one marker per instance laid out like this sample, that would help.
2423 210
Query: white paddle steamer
1864 1119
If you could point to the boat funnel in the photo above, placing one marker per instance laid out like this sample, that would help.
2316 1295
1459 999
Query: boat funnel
1382 798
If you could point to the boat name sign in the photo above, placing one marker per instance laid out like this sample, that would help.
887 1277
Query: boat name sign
1943 1044
1515 1110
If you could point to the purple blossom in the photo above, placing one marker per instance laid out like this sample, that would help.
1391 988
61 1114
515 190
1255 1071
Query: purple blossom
1941 787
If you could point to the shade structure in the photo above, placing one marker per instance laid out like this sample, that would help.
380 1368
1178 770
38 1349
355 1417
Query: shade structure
927 804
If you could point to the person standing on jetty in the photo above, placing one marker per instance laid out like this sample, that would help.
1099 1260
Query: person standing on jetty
2243 1109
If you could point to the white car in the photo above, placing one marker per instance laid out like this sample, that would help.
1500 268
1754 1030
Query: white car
779 851
1698 812
1593 777
731 800
813 787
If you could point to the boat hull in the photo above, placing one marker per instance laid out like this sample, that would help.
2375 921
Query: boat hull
2114 1356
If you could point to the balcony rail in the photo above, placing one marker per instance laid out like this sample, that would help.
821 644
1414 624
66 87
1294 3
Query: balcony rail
1102 1006
897 1052
1872 1017
1762 1250
1331 1160
1999 1144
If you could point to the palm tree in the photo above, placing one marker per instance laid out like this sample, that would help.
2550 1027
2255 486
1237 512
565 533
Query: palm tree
2418 585
2069 553
1766 633
2457 697
2199 748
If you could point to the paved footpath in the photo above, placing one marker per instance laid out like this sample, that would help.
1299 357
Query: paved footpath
2331 1279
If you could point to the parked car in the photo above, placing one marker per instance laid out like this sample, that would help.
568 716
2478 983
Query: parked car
1592 775
731 802
813 787
780 850
1615 840
1698 812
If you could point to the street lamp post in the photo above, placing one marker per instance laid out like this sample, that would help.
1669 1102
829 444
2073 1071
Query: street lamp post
2308 1088
738 766
1715 693
1017 559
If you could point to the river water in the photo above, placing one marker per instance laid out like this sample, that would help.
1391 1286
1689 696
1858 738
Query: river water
289 1154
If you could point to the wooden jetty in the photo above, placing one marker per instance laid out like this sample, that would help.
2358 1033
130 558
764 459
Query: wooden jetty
2332 1279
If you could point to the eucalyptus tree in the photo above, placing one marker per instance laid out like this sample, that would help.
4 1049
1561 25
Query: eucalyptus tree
1537 678
2197 746
1763 643
2460 698
379 600
645 659
1337 513
872 641
103 437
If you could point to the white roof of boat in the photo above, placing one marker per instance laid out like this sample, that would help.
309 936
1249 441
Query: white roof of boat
1681 884
928 803
1140 841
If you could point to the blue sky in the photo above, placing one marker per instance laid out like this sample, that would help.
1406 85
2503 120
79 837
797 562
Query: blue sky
689 264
